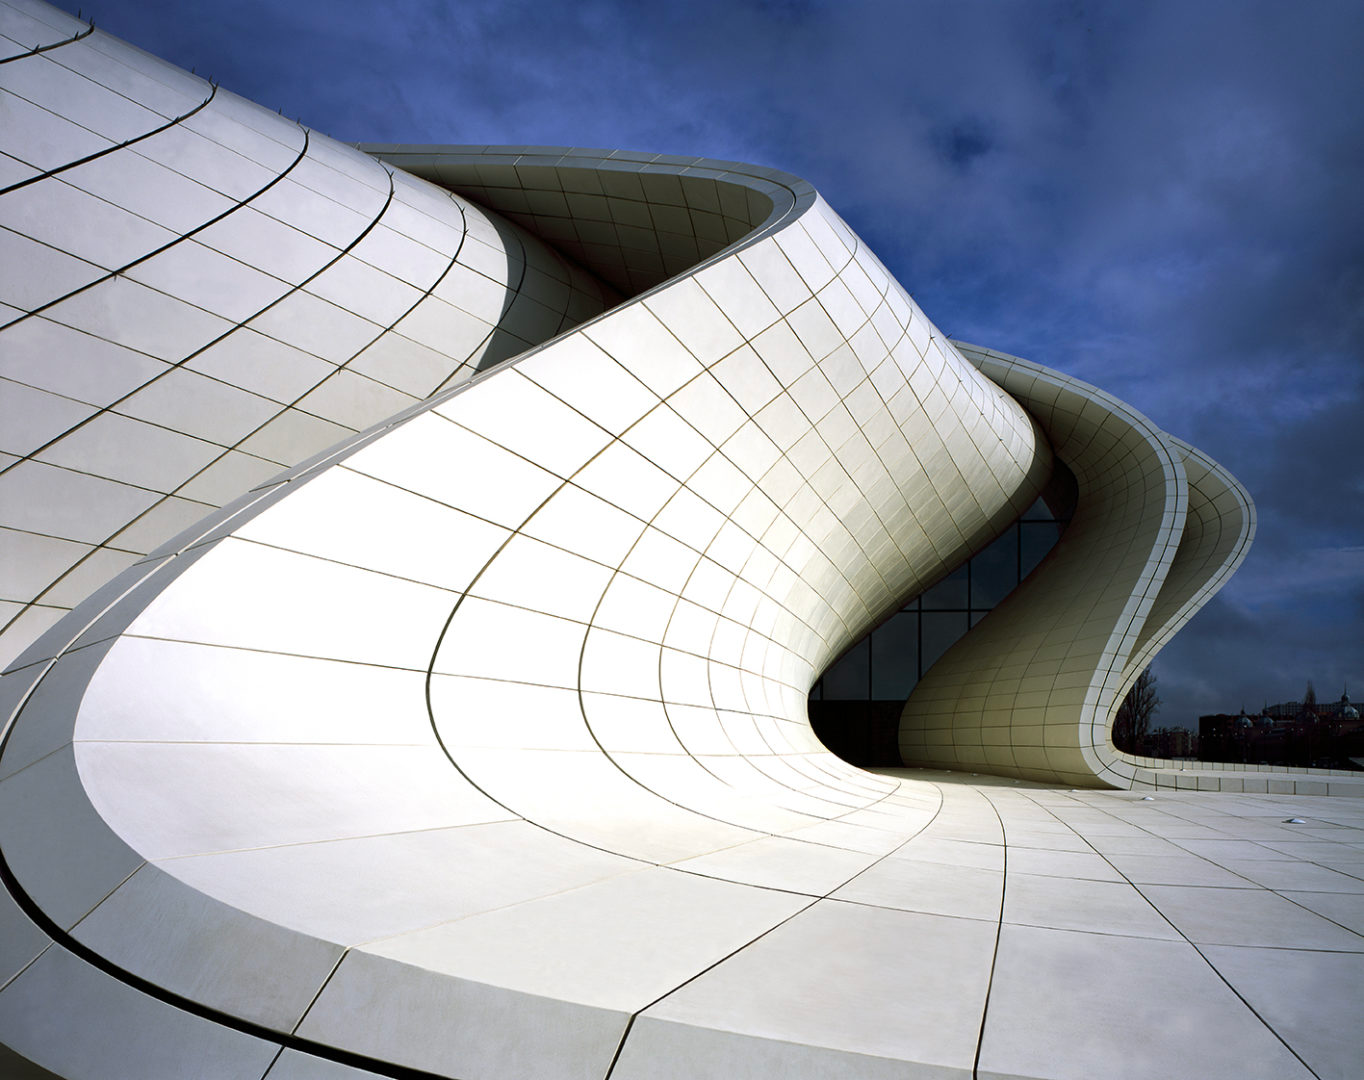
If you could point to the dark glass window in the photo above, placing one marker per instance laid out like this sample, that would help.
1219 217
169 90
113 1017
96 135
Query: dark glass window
950 594
1036 538
895 657
848 679
994 572
855 706
941 629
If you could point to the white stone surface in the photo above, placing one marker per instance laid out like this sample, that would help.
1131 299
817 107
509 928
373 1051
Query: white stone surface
292 291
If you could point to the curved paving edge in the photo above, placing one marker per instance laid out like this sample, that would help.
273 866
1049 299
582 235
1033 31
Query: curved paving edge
475 744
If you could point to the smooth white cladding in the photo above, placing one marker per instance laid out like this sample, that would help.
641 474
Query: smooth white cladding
476 744
1031 691
196 293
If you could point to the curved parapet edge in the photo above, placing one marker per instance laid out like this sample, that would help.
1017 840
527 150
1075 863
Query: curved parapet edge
634 219
1218 531
1160 527
1030 691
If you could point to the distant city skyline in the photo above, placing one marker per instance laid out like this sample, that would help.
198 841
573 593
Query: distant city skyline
1161 200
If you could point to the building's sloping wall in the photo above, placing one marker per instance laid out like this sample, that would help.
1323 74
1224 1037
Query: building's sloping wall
199 293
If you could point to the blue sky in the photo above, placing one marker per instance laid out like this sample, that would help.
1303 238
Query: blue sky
1160 198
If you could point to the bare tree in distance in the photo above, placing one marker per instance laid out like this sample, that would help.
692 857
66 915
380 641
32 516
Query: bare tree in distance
1132 723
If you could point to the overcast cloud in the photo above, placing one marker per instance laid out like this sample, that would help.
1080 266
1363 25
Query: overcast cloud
1161 198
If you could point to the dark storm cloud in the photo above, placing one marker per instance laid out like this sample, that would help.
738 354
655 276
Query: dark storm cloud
1307 468
961 143
1161 198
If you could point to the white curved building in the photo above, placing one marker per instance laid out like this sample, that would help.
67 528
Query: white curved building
417 564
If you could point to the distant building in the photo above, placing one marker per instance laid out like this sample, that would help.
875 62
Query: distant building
1168 742
1325 734
1343 708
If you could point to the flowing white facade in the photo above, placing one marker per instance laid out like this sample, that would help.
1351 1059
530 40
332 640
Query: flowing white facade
417 562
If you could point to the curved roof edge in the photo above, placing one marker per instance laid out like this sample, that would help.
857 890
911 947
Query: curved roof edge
1032 690
634 219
